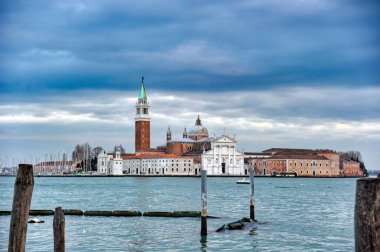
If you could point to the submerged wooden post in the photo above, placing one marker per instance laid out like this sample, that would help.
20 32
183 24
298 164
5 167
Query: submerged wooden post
204 202
252 200
59 230
22 197
367 215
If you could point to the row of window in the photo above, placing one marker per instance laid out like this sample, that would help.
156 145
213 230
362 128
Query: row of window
311 164
172 169
223 160
161 161
103 163
145 165
290 163
319 172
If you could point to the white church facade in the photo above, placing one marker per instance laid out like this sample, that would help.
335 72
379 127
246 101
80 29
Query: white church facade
223 158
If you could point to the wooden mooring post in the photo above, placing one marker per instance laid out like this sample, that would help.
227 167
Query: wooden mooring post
252 198
367 214
22 197
59 230
204 202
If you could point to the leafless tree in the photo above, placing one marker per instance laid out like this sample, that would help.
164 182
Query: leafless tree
119 148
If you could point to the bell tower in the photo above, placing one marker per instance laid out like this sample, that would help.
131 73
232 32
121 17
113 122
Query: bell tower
168 135
142 121
184 133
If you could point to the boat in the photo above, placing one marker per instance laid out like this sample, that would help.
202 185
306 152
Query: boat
284 174
35 220
242 181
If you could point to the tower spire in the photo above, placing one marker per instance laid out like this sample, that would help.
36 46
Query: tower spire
142 94
169 134
198 122
184 133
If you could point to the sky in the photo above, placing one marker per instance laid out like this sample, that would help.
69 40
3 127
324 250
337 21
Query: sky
300 74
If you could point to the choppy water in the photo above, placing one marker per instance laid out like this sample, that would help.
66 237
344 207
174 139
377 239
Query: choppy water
294 214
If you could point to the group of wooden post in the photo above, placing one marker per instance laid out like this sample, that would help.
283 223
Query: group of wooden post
204 199
367 212
366 217
22 199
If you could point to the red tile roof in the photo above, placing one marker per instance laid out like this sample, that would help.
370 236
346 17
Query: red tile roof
297 156
298 151
152 156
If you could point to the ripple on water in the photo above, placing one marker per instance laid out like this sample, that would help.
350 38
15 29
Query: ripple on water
294 214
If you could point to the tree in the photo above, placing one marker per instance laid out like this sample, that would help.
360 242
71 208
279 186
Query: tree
77 154
95 151
82 154
119 148
94 157
355 156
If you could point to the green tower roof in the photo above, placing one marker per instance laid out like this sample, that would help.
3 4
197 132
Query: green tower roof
142 90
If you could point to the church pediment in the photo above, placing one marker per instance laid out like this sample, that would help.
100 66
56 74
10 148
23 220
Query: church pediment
224 139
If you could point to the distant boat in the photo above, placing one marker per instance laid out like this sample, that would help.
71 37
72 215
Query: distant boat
284 174
35 220
242 181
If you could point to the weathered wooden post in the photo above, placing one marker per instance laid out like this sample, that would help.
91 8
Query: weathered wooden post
59 230
252 190
204 202
22 197
367 215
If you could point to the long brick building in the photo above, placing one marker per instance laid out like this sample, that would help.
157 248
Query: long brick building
301 162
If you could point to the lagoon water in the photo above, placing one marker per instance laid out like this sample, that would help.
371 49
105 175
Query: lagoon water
294 214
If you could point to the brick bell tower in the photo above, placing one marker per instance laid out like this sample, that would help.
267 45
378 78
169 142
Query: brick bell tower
142 121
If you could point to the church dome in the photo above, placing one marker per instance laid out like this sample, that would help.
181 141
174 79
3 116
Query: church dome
198 131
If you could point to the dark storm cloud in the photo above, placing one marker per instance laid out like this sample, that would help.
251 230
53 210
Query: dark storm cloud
301 73
182 45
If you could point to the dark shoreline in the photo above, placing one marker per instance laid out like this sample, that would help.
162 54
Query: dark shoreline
172 176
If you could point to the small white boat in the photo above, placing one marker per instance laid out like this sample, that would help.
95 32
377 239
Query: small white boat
242 181
35 220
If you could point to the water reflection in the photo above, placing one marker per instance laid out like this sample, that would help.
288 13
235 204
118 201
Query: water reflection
253 231
203 242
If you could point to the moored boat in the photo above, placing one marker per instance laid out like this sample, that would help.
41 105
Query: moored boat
242 181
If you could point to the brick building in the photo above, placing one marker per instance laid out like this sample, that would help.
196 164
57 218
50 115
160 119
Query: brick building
57 167
350 168
194 141
301 162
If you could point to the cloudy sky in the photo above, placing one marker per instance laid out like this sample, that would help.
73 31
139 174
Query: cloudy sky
302 74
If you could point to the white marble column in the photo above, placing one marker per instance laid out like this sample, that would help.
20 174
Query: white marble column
234 156
218 166
228 161
220 154
214 155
